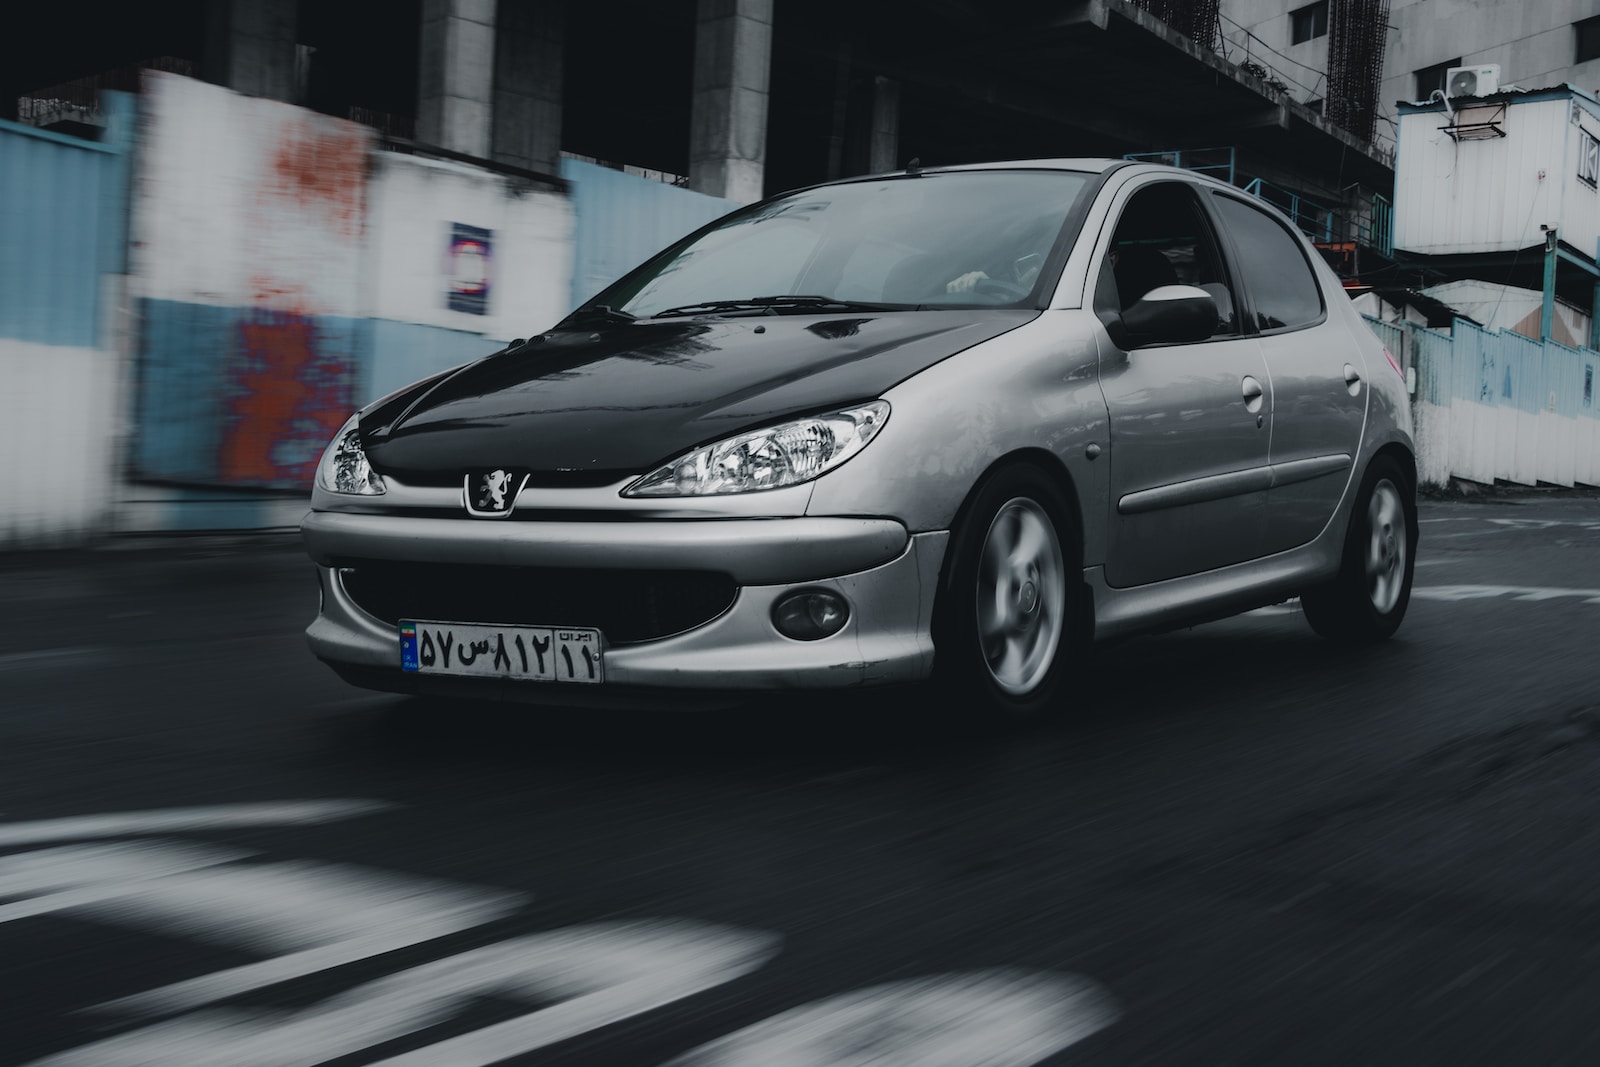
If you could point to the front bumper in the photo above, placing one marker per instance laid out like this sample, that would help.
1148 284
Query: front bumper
888 578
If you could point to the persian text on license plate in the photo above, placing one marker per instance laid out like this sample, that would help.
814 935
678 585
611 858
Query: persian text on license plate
536 653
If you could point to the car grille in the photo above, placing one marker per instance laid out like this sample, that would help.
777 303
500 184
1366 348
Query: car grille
628 606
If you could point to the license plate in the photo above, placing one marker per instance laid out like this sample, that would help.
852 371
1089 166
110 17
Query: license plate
534 653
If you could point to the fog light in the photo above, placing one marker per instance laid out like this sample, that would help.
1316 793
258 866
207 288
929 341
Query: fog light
810 615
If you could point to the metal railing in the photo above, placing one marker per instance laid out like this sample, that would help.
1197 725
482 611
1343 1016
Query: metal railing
1316 221
1217 162
1370 224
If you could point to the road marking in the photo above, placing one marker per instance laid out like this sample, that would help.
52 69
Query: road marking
308 917
311 916
77 876
598 975
173 820
985 1019
1515 592
1544 524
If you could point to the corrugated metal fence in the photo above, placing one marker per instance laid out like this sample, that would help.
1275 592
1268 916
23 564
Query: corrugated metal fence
623 220
1497 406
63 210
63 246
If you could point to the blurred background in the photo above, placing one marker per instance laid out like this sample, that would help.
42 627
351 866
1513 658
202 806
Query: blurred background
224 224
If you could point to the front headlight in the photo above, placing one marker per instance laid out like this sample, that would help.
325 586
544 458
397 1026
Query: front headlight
344 467
770 458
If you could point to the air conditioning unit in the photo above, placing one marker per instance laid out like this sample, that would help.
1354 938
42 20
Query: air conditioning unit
1482 80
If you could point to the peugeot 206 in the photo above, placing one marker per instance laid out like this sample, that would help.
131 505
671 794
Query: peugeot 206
945 425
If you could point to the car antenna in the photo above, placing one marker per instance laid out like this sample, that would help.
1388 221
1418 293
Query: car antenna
914 168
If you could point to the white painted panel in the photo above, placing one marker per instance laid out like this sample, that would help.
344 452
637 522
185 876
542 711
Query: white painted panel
414 205
57 443
1488 195
248 202
1432 422
1587 468
1530 464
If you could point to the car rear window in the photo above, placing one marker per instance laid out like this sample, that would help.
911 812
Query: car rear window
1283 289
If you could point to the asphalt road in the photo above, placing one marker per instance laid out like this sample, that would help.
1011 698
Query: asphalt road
1240 846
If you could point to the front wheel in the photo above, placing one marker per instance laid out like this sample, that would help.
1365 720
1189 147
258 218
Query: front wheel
1368 600
1007 611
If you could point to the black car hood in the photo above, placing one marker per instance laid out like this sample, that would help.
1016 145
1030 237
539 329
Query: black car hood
588 406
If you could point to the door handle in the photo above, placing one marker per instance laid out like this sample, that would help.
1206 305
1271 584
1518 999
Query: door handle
1252 392
1352 379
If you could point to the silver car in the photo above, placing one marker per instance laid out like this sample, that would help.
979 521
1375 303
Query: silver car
949 425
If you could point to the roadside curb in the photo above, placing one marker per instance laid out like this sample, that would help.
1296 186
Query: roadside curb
1461 491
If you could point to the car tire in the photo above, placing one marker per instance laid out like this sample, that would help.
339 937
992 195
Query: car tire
1009 614
1368 599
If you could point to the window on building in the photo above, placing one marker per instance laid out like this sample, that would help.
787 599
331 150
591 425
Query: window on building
1431 78
1589 160
1309 22
1588 32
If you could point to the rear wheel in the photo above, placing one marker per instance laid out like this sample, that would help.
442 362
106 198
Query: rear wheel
1007 617
1368 600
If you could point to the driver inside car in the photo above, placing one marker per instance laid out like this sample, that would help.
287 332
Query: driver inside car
1003 272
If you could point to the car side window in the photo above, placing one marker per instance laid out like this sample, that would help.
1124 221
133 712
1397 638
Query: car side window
1163 238
1283 288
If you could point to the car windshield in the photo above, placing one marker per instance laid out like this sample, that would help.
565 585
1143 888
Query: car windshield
960 238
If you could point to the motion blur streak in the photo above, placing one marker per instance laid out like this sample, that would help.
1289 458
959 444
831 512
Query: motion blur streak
172 820
317 915
599 974
998 1018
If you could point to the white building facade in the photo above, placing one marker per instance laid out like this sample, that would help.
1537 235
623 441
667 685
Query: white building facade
1536 45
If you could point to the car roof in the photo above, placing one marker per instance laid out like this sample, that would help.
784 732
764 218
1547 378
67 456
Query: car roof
1088 164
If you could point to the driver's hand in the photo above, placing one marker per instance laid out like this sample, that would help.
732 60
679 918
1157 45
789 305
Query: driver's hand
967 282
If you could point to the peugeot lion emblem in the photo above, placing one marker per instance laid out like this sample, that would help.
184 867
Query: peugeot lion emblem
491 494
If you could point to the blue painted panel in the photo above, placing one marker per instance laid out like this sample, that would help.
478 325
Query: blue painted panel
623 220
63 214
182 349
403 352
240 396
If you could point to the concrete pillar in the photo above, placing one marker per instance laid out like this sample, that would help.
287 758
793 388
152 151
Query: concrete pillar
456 81
728 114
884 152
528 47
250 47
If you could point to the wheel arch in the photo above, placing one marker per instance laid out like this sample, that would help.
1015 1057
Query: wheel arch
1052 467
1403 456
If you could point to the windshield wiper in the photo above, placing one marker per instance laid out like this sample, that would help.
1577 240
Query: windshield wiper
599 313
774 304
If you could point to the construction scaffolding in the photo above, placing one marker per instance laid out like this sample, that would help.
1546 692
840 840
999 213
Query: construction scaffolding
1357 33
1195 19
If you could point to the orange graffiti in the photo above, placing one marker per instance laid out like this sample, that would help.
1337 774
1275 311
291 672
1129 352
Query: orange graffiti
322 163
287 401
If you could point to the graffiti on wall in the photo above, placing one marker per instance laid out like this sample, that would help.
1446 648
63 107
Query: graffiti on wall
288 389
251 216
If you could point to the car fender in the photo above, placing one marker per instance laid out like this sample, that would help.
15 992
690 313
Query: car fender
1035 388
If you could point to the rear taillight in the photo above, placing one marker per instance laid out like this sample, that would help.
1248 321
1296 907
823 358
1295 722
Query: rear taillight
1393 364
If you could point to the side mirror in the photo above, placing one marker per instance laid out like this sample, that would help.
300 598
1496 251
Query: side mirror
1171 314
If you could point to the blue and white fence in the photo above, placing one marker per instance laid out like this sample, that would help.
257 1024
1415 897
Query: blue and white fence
1497 406
63 245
